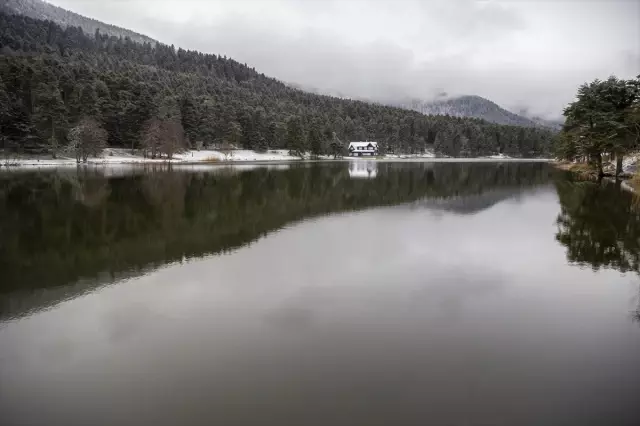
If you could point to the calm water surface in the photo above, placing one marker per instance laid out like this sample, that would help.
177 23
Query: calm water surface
370 294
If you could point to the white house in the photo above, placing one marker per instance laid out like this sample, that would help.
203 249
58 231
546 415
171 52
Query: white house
358 149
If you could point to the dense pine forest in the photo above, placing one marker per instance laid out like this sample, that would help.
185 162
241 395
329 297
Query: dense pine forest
58 82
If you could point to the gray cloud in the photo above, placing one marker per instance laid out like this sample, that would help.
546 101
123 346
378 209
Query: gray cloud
521 54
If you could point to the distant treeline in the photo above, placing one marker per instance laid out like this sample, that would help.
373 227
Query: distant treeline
52 78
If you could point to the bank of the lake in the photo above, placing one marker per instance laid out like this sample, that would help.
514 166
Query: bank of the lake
629 179
121 156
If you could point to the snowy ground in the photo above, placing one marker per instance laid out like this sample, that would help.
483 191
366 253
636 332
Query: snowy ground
630 163
203 158
236 155
400 156
114 156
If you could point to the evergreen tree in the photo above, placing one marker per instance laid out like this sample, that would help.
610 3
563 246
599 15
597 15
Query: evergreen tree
315 139
598 122
335 146
190 120
281 135
89 103
257 142
245 119
5 116
50 115
623 96
261 144
233 134
295 137
271 135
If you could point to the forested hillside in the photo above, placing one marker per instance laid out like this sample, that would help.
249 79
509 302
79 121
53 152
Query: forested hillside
52 77
39 9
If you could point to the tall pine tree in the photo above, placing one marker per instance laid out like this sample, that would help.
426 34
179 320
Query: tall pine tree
295 137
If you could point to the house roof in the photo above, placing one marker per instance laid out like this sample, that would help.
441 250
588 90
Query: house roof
364 144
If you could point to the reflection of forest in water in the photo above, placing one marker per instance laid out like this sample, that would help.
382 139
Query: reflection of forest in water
69 231
61 228
599 224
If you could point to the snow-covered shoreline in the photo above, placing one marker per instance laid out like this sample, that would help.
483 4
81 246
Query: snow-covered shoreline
115 156
119 157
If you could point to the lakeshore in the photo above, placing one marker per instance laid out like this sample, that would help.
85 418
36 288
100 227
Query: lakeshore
629 179
121 156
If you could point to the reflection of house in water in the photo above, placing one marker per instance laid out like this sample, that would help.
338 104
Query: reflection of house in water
363 169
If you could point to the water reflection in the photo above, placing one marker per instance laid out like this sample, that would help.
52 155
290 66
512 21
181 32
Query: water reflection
359 169
73 228
599 224
452 305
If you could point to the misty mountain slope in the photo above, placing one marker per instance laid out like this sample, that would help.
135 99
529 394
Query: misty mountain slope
549 123
39 9
471 106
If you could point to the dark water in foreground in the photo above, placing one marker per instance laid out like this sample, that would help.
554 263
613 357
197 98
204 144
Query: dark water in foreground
388 294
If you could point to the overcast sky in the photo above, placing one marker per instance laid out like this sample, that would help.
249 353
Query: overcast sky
520 53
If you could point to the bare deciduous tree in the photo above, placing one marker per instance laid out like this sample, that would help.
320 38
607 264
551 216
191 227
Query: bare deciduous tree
172 140
88 138
163 137
151 136
227 150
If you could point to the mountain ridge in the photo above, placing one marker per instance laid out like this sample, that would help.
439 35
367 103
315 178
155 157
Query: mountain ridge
39 9
469 106
473 106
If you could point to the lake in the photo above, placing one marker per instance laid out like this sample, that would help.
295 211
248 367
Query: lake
364 293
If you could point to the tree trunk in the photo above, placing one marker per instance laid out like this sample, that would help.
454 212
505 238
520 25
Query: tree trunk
619 158
54 145
618 184
599 165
